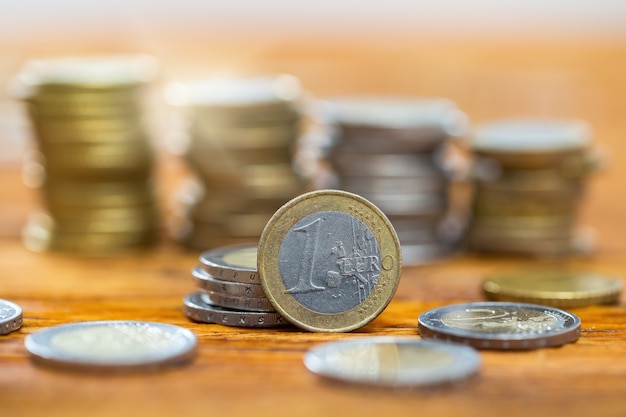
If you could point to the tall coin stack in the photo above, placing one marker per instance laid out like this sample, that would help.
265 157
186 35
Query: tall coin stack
230 291
392 152
93 151
238 138
530 177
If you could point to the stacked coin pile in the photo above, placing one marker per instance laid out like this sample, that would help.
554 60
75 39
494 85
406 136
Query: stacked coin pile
230 291
238 137
94 153
529 179
392 151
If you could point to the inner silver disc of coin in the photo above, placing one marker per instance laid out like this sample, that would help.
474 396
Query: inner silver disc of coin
390 361
105 344
329 262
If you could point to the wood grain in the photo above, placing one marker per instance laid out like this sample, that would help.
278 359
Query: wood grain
246 372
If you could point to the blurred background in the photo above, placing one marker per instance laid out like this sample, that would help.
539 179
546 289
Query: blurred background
494 59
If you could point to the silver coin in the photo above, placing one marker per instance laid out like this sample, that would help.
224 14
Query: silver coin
10 317
197 309
239 289
234 302
232 263
115 344
391 361
500 325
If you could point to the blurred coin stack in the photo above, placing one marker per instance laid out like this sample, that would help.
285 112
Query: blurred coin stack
392 151
93 154
230 291
238 136
530 177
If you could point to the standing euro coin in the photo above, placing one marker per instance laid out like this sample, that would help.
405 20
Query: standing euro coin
329 261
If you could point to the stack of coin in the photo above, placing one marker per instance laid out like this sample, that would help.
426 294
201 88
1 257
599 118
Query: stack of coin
230 291
392 151
529 179
93 152
238 137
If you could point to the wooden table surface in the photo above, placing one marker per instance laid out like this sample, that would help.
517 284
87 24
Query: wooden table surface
248 372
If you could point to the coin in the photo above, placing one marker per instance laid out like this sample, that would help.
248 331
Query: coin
554 287
329 261
10 317
85 74
392 361
196 308
500 325
234 302
528 143
232 263
116 345
210 283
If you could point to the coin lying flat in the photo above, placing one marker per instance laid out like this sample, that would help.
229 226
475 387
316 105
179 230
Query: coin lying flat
500 325
234 302
389 361
196 308
231 263
554 287
102 345
329 261
10 317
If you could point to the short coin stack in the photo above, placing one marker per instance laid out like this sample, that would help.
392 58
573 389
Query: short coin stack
391 151
230 291
529 179
94 153
238 137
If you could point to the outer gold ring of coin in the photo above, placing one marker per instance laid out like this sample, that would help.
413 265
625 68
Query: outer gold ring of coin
285 219
557 288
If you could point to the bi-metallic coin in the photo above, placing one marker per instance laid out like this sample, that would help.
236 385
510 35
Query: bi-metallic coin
329 261
112 345
394 362
500 325
555 287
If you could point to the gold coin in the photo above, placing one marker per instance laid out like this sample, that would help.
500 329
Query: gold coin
329 261
85 74
554 287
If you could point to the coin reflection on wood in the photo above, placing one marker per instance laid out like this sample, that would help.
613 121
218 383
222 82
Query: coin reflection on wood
392 151
530 178
238 136
94 156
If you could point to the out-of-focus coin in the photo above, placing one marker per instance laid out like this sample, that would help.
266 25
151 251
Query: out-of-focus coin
232 263
554 287
102 345
395 362
531 144
210 283
500 325
329 261
10 317
196 308
85 74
